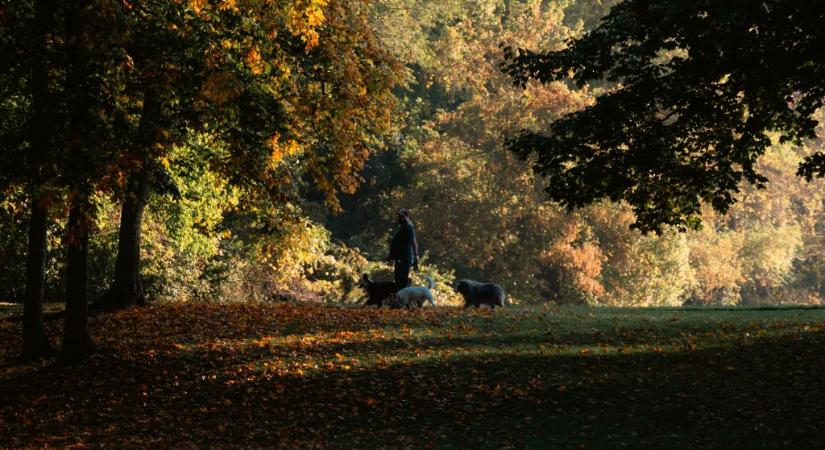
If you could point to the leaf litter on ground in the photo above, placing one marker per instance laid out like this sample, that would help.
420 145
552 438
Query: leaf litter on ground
313 376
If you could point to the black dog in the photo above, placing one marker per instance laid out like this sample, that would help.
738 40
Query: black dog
377 291
477 294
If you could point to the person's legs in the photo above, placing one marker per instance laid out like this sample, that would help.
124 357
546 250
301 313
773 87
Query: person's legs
402 275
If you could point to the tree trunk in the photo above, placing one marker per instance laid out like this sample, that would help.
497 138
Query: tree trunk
127 287
81 86
35 343
77 344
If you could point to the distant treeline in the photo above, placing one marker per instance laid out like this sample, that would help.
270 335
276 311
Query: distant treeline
414 116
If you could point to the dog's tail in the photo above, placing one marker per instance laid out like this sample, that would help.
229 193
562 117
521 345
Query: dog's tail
430 282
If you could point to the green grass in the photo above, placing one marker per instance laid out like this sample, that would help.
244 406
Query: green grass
281 376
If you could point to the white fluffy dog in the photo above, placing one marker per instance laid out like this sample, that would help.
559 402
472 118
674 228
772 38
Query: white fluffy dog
414 295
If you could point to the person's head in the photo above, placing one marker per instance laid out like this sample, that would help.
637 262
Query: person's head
403 215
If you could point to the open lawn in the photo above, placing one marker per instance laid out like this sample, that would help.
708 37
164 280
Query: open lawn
305 376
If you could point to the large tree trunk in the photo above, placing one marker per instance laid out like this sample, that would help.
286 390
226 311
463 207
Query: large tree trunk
35 342
127 287
77 344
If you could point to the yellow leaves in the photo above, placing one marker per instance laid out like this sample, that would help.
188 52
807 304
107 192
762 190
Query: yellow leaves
282 68
280 150
305 16
198 6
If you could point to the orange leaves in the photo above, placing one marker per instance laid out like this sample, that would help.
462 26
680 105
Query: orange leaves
342 93
313 376
265 341
254 62
198 5
229 4
280 150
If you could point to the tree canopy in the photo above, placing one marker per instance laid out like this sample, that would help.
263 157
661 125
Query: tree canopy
692 93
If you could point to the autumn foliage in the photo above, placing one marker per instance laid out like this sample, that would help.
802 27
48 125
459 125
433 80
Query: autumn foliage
202 182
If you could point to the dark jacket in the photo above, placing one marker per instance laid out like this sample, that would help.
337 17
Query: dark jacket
401 246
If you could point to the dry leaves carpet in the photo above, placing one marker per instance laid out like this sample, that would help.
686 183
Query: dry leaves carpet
308 376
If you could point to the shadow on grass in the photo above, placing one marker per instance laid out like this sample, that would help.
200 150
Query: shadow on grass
765 394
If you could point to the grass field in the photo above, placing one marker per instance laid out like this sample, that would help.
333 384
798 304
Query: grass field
304 376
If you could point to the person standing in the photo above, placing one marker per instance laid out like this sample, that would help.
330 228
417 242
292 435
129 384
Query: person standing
403 250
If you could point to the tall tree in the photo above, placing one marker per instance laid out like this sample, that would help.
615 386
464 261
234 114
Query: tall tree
695 89
35 342
80 160
28 128
94 145
296 86
165 49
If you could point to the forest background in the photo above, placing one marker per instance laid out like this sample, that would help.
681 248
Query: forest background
436 145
